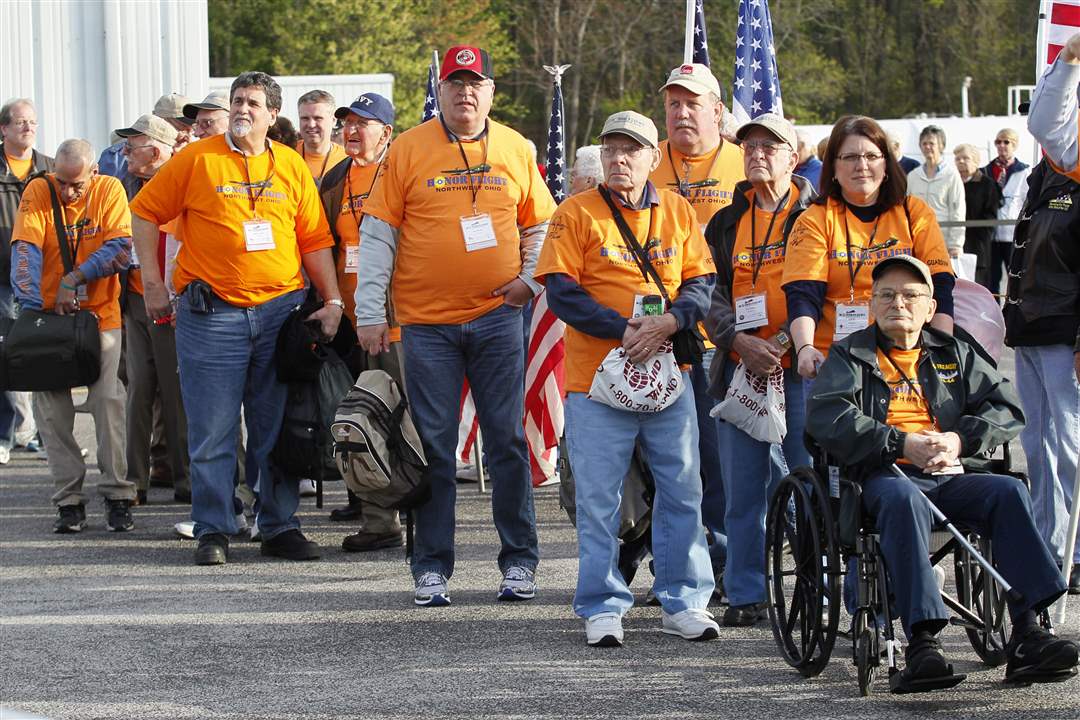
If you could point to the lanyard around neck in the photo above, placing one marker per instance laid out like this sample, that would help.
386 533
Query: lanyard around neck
758 259
684 183
254 197
853 270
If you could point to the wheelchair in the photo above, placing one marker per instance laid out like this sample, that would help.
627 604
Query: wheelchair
815 524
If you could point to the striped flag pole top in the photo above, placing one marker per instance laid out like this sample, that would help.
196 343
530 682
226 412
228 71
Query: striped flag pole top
756 88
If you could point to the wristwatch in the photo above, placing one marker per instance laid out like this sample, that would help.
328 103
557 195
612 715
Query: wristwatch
336 301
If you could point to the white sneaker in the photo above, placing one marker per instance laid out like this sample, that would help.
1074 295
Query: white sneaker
432 590
692 624
185 529
307 487
604 630
5 455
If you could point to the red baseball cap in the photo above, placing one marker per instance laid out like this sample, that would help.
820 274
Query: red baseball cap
466 57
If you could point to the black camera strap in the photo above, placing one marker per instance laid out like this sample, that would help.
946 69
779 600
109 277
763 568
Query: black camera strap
61 231
640 256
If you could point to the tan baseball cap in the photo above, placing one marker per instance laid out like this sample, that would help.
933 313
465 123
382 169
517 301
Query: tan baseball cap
696 78
217 100
780 128
151 126
910 262
171 107
636 125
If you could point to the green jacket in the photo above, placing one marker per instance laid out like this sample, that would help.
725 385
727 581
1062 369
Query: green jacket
849 402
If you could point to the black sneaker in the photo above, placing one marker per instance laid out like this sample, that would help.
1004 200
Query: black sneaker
744 615
364 541
924 659
291 545
346 514
119 517
213 549
1074 580
70 519
1037 656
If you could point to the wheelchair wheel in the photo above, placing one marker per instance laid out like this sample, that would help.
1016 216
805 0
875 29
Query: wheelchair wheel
867 656
979 593
802 574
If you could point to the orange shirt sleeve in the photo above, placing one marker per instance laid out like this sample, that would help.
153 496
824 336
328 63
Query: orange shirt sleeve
536 203
927 241
312 228
162 199
387 200
33 217
807 255
563 250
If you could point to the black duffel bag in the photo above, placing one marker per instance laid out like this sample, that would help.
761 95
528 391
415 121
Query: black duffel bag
45 351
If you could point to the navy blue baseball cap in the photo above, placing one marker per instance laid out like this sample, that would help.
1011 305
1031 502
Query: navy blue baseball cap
369 105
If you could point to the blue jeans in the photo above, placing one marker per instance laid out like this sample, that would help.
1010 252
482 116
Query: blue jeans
752 470
488 351
713 500
226 359
1046 383
996 506
600 441
7 402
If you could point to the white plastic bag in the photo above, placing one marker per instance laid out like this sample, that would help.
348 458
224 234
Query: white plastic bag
756 405
649 386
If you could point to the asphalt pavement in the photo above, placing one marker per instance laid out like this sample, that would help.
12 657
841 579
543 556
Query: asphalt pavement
123 625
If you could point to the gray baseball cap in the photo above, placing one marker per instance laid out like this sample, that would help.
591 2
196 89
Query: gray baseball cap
151 126
636 125
780 128
217 100
909 262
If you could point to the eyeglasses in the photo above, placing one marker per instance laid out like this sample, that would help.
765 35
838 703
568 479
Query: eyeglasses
24 123
1003 142
766 146
207 123
910 297
351 125
129 148
854 158
630 151
459 86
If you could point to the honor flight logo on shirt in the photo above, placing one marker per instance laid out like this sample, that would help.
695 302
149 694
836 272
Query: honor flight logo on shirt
242 190
465 178
872 253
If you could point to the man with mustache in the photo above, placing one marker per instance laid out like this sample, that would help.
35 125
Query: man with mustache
250 218
458 217
697 163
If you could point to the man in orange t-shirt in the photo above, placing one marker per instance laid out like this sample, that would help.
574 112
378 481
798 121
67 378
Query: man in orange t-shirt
97 234
596 286
697 163
18 161
250 218
320 152
458 216
368 124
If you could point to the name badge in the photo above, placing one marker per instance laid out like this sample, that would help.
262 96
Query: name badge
751 312
258 235
850 317
82 294
640 309
478 231
352 259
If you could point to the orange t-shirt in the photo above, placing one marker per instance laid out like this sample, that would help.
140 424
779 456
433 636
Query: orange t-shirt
708 180
19 168
768 253
100 215
817 250
357 186
319 164
907 407
424 190
209 189
584 243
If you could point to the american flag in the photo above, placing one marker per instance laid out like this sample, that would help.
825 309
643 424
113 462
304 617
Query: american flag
544 390
1059 22
756 87
431 100
555 165
701 39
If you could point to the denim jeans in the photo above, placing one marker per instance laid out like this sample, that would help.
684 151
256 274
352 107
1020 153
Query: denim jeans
996 506
1050 396
489 352
226 359
7 400
600 441
713 503
752 470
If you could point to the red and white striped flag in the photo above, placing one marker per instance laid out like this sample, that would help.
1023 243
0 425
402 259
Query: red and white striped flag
468 429
544 391
1058 21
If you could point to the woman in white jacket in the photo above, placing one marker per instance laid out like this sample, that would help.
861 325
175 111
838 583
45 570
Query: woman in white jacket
938 183
1011 176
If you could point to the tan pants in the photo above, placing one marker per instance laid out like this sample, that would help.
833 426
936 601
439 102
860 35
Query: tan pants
374 519
54 412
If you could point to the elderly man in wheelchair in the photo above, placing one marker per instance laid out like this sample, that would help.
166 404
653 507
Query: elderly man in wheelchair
900 394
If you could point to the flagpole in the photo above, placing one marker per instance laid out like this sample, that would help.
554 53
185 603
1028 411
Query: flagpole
1040 40
688 37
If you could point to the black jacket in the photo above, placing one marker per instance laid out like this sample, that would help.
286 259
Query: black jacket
1043 305
331 192
849 403
720 235
11 189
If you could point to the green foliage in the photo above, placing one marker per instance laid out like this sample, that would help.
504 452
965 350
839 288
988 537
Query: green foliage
884 58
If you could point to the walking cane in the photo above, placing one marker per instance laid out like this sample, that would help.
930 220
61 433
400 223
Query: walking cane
1070 548
1013 595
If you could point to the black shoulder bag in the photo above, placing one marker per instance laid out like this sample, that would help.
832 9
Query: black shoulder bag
45 351
687 344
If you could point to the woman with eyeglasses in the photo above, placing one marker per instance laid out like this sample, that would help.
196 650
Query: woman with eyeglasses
862 217
1011 176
